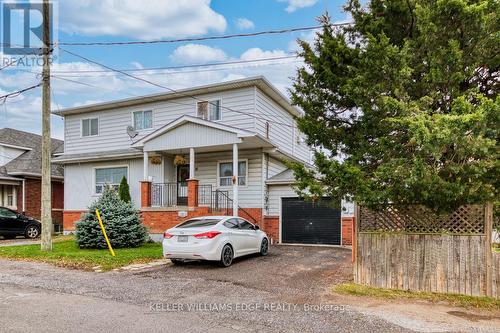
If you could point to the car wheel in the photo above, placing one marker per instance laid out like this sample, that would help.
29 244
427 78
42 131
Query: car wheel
32 232
177 261
227 256
264 247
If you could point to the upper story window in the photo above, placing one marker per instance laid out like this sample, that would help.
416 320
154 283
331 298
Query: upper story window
226 173
143 120
90 127
209 110
110 177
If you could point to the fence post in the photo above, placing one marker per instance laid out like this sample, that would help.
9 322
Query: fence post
355 224
488 229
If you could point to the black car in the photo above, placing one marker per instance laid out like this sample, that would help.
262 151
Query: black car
13 224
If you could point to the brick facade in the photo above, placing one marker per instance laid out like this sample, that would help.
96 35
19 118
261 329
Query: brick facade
69 219
33 203
145 193
272 228
192 192
347 225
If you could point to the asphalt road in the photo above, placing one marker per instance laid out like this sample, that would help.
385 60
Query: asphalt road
287 291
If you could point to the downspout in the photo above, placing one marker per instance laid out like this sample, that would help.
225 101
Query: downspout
23 196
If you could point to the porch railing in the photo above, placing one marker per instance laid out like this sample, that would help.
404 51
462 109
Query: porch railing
166 194
175 194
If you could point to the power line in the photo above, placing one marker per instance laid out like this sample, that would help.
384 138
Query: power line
17 93
195 39
165 87
181 67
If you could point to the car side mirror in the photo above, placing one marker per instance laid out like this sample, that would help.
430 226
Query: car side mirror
256 227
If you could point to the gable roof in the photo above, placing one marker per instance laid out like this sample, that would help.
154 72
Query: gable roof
30 162
284 177
190 119
259 81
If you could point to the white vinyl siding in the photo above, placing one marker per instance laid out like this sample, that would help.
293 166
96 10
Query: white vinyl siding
143 120
113 123
279 126
275 167
276 192
90 127
79 194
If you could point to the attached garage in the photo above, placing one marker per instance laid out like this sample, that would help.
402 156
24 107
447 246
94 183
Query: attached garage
305 222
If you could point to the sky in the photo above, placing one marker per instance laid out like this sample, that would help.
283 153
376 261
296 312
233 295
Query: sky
126 20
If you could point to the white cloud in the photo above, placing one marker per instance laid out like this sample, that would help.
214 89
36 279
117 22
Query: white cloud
293 5
244 24
140 19
197 53
257 53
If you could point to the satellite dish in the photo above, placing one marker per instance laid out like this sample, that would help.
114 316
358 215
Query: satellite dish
132 133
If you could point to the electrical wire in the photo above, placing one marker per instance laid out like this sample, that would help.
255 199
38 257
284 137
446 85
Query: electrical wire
197 39
167 88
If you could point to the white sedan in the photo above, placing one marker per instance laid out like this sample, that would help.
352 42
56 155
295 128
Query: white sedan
215 238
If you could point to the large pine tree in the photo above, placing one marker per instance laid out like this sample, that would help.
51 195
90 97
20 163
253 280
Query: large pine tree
403 105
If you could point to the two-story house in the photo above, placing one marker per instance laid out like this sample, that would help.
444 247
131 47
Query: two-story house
208 150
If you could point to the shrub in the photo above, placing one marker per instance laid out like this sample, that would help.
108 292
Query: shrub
124 190
122 223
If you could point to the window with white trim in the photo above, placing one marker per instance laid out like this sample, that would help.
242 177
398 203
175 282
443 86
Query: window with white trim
226 173
208 110
143 120
109 177
90 127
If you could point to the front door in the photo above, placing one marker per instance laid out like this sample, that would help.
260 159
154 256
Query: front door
182 189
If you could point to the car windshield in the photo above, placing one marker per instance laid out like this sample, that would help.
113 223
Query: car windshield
196 223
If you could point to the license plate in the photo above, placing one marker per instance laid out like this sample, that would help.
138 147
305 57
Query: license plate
183 239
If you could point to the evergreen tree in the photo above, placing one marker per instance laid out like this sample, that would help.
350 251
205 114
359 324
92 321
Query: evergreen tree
124 190
122 223
403 105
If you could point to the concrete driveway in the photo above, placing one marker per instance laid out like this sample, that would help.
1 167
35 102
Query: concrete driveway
287 291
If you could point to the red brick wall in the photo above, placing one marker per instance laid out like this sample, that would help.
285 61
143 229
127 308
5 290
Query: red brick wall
347 223
33 203
159 220
69 219
272 227
145 194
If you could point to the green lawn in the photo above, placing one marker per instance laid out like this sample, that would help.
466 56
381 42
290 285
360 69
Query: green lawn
66 254
452 299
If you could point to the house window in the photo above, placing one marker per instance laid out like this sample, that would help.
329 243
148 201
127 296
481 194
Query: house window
90 127
209 110
110 177
10 200
143 120
226 173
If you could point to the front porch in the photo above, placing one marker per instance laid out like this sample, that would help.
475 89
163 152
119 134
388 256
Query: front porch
194 167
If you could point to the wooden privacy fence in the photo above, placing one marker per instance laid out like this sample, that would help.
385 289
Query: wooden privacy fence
411 248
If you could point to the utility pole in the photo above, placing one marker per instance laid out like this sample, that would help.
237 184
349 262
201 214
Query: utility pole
46 137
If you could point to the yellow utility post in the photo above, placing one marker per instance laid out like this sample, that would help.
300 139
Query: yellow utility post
104 232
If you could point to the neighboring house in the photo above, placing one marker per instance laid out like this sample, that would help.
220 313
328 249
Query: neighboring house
204 150
20 174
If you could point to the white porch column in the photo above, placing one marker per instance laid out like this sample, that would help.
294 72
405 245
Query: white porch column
146 165
191 163
235 179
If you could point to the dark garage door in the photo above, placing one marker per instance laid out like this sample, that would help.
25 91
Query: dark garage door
306 222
